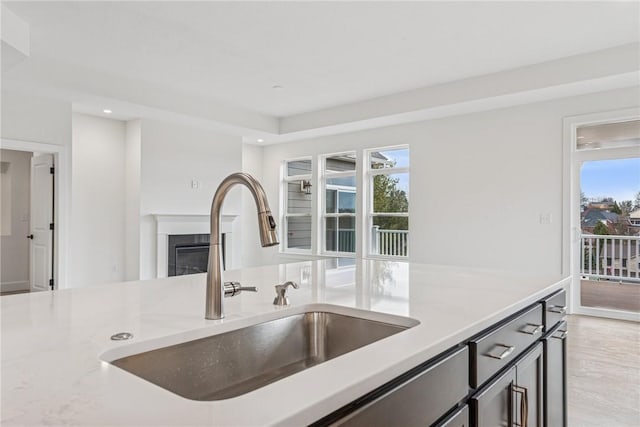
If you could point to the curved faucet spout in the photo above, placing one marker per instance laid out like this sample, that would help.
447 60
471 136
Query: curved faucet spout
268 236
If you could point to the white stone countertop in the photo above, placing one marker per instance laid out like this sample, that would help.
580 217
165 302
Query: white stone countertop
52 342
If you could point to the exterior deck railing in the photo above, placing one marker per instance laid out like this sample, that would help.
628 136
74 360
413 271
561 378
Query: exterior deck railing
390 242
610 257
384 242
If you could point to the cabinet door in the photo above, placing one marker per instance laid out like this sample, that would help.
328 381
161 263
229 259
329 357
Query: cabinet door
528 391
555 379
459 419
491 405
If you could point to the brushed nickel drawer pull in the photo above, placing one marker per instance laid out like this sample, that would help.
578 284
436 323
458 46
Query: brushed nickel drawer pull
532 329
560 335
508 349
559 309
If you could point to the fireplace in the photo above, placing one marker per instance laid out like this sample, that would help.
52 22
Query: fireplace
189 253
185 239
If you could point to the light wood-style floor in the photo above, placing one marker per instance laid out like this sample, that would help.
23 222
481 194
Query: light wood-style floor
603 372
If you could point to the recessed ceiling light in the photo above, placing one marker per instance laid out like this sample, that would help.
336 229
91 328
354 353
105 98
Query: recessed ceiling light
581 137
107 111
276 87
260 140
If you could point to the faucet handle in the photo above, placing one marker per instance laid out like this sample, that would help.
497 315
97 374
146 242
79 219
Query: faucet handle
231 289
281 290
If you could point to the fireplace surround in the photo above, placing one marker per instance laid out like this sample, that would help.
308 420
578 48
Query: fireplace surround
181 229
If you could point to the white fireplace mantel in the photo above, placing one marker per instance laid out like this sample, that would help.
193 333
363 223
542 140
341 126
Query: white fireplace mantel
167 225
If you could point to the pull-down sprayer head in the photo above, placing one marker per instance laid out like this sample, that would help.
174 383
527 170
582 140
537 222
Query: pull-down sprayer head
267 225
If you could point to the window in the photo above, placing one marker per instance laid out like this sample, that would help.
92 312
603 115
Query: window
339 213
327 221
608 135
388 216
297 196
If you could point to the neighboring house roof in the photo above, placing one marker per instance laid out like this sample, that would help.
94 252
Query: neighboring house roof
380 156
376 157
635 214
592 217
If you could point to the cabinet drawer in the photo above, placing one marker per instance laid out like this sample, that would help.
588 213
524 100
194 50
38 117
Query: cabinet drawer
459 419
554 309
419 400
496 348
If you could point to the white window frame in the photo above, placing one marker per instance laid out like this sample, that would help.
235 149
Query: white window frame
284 198
363 190
370 214
573 159
322 194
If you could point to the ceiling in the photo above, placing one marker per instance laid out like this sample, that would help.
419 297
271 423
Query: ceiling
320 54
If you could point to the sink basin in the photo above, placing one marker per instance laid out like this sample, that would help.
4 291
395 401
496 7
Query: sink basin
233 363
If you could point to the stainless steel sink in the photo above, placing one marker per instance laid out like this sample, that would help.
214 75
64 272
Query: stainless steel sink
236 362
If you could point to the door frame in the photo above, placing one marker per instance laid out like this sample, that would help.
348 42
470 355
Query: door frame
572 162
62 187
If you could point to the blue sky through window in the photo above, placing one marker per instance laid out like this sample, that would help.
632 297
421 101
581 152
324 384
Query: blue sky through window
619 179
401 157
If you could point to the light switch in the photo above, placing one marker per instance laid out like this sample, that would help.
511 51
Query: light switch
195 184
545 218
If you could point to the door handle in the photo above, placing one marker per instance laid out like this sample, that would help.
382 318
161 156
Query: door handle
524 405
30 236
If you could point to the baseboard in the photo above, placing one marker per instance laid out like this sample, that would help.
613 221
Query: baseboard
14 286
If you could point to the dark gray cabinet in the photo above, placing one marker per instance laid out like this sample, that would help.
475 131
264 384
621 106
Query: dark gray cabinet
527 397
492 404
514 397
418 398
555 385
554 309
512 374
459 418
498 347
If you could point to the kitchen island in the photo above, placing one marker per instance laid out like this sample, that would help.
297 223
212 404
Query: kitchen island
53 343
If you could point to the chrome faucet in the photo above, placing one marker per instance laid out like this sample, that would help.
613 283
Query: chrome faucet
268 237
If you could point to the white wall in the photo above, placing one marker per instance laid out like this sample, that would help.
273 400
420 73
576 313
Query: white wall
28 119
479 182
132 162
171 157
251 164
96 249
14 246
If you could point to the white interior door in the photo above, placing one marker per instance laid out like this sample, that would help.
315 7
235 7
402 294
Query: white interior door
40 270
